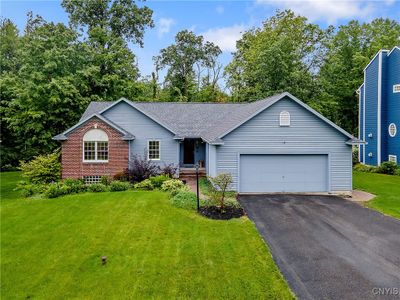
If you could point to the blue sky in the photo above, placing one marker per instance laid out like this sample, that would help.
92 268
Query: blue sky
218 21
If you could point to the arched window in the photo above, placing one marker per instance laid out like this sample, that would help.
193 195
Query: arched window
284 118
95 146
392 130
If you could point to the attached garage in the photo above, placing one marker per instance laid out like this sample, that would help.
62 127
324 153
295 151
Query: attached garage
265 173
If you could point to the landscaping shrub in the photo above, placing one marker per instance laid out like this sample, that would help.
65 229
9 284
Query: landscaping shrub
221 182
122 176
97 187
105 180
29 189
117 186
75 185
144 185
365 168
185 199
387 167
157 181
141 169
42 169
169 170
174 186
56 189
355 156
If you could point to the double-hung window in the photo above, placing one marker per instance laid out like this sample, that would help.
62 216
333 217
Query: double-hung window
95 146
153 150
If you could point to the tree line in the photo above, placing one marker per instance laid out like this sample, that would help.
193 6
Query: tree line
50 72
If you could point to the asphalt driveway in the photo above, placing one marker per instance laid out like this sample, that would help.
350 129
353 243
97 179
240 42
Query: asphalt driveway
328 247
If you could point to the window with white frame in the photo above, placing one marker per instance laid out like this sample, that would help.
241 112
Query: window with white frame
393 158
153 150
392 130
95 146
284 118
91 179
396 88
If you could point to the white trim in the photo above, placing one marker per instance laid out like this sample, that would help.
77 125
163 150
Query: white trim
395 129
365 85
284 118
379 52
95 160
359 123
394 48
392 158
379 117
159 149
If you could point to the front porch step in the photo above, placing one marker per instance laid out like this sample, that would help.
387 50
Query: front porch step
191 172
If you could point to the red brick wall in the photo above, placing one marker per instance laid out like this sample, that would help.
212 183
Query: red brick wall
72 153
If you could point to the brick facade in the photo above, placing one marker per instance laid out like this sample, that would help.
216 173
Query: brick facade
72 153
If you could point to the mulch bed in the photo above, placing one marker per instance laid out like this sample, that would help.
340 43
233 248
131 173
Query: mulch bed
214 212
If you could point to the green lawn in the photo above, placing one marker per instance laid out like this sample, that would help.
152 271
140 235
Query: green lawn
52 248
385 187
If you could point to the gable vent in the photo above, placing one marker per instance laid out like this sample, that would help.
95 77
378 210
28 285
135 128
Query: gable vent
284 118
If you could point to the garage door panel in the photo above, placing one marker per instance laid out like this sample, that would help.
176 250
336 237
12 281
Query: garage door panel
283 173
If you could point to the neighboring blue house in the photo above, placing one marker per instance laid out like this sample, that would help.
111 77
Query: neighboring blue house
379 109
278 144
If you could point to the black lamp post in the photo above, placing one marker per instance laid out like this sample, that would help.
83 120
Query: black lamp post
197 186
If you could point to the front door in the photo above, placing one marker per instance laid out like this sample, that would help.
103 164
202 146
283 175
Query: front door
188 152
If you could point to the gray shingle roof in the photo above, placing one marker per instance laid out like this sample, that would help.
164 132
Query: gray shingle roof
210 121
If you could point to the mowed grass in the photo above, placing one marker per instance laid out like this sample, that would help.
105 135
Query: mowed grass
52 249
385 187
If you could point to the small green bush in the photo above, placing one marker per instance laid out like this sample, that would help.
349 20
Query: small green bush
75 186
387 167
105 180
174 186
28 189
97 187
42 169
117 186
144 185
365 168
55 190
184 199
157 181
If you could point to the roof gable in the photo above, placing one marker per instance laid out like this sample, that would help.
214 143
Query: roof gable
125 134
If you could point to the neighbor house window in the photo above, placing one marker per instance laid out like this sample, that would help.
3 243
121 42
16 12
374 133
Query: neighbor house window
92 179
284 118
154 150
95 146
396 88
393 158
392 130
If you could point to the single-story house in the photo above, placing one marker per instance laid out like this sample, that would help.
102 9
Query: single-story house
278 144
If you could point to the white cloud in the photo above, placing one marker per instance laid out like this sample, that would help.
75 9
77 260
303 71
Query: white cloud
220 9
225 37
325 10
164 26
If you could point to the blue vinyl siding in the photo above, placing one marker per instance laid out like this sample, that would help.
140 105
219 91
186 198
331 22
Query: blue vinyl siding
144 129
371 109
393 105
307 135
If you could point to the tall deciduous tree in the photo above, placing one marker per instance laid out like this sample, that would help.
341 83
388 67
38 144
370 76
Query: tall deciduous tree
109 26
283 55
349 51
185 59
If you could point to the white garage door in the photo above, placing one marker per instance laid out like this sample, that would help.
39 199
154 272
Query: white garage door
283 173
